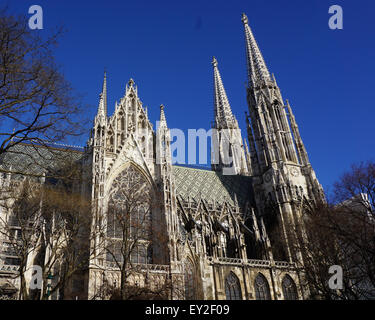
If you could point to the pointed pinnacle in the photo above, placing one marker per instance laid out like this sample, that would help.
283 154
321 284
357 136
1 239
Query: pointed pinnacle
223 113
102 109
162 114
257 69
104 90
214 62
244 19
246 146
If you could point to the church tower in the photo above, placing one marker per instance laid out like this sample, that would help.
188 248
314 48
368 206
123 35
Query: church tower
228 152
283 178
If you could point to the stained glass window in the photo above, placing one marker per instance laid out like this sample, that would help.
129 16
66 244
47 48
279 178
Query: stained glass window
289 288
232 287
189 277
262 289
129 217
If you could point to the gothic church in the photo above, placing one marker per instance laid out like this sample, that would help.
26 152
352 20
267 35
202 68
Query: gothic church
221 239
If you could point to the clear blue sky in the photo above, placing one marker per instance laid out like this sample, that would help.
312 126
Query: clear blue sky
167 47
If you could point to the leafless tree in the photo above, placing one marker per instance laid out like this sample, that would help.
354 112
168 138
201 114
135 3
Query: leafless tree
20 229
65 246
360 179
341 233
132 239
37 104
47 224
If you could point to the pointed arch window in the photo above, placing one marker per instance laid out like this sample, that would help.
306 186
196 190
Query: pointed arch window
262 289
189 279
150 252
129 217
289 288
232 287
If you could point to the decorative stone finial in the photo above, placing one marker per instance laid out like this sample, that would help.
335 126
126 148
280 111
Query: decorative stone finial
244 19
131 82
162 115
214 62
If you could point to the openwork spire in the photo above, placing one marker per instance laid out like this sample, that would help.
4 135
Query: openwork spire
102 109
224 118
256 66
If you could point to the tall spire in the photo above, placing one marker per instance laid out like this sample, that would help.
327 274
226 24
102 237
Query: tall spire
102 109
256 66
224 118
228 148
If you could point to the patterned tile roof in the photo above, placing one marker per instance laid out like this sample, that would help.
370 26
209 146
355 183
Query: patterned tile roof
34 160
211 185
190 181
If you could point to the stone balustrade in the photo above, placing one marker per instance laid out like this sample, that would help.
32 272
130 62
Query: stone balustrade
259 263
252 262
9 268
285 264
156 268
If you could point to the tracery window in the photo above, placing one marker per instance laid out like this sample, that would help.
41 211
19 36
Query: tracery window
262 289
189 277
129 217
232 287
139 254
289 288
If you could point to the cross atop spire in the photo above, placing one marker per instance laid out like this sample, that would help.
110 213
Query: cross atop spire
223 113
256 66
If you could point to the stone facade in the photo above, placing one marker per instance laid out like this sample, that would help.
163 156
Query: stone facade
216 224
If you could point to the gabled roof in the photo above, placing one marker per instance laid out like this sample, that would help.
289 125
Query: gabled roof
190 182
